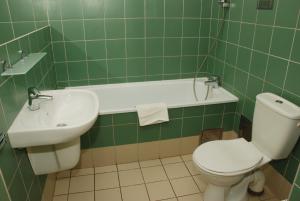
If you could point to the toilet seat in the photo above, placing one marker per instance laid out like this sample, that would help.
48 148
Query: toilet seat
227 157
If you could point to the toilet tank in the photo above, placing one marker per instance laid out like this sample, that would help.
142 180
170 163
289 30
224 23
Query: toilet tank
276 125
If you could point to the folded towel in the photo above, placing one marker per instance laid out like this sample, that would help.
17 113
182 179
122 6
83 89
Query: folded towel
152 113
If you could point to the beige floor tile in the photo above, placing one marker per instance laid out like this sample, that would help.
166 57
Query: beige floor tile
189 144
152 174
200 182
106 180
175 159
81 184
86 159
150 163
184 186
86 196
128 166
188 157
176 170
135 193
62 186
63 174
127 153
160 190
60 198
253 198
194 197
148 150
104 156
108 195
105 169
267 194
169 148
191 167
82 172
131 177
171 199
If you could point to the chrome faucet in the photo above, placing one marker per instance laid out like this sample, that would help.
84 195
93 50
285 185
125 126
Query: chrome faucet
34 93
213 81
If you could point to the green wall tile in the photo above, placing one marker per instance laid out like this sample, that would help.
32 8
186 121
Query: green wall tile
171 129
173 8
292 81
212 121
97 69
95 50
172 65
135 67
258 64
254 87
17 190
287 19
3 192
154 8
125 134
116 68
101 136
135 47
296 48
115 28
134 8
114 8
73 30
77 70
125 118
295 195
93 9
262 38
71 9
173 27
291 170
135 28
282 42
148 133
94 29
276 71
192 126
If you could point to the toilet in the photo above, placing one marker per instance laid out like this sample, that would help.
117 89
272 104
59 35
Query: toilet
231 167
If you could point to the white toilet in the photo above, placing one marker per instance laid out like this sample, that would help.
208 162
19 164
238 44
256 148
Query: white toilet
231 166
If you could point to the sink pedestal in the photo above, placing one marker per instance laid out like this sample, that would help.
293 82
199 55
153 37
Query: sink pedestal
54 158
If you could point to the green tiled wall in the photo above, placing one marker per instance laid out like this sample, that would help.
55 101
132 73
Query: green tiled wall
21 17
259 51
109 41
119 129
295 193
18 176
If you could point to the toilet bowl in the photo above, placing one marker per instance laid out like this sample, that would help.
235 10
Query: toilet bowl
230 167
225 164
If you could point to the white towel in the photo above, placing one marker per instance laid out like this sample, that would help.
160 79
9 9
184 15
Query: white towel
152 113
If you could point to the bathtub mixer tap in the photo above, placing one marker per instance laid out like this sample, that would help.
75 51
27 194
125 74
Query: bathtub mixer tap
34 93
213 82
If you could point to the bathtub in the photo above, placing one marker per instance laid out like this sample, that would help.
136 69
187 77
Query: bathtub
122 98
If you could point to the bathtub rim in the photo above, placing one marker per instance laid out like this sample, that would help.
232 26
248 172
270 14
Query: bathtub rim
233 98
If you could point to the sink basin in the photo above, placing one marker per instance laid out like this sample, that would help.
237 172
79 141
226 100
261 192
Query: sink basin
70 113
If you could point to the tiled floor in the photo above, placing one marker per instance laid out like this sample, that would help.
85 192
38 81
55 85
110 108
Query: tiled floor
168 179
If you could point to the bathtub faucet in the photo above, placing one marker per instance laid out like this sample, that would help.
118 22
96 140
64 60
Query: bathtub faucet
213 81
34 93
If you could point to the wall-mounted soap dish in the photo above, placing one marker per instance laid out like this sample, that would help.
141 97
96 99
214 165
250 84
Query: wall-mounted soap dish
23 65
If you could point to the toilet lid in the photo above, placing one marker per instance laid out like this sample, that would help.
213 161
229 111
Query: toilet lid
227 156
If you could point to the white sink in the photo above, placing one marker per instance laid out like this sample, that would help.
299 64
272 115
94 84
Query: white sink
70 113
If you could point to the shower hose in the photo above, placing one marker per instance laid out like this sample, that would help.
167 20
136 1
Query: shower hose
212 47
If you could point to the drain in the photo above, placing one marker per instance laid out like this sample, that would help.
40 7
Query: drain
61 125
